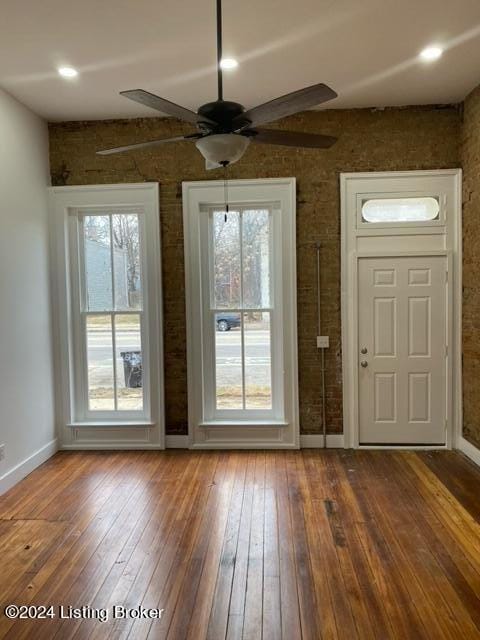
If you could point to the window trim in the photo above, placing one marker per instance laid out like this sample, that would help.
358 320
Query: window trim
128 429
274 431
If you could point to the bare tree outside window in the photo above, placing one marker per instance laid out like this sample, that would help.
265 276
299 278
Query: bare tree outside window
126 238
241 265
255 256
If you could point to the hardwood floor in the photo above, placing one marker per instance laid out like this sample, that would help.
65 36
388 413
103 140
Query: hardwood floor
292 545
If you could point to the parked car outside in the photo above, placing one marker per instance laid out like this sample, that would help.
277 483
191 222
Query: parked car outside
227 321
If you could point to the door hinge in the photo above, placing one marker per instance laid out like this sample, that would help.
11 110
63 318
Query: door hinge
446 275
446 350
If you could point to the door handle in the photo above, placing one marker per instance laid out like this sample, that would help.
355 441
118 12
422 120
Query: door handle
364 364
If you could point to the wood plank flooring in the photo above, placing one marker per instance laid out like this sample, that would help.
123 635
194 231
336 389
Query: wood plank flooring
275 545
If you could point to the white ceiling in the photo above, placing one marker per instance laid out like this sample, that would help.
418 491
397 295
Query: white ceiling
364 49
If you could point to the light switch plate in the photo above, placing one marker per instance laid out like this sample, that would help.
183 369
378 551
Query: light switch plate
323 342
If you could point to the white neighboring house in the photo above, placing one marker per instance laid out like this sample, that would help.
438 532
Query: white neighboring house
97 264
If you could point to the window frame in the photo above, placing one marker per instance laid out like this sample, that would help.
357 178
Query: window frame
439 221
77 428
411 198
82 412
273 431
211 412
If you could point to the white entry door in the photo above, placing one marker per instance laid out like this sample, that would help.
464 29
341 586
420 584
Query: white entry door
402 350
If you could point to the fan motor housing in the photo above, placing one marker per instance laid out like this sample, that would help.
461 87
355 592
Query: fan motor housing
223 112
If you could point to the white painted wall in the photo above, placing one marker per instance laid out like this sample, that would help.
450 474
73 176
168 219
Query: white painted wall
26 364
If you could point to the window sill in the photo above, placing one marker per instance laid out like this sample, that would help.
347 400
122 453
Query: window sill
111 425
244 423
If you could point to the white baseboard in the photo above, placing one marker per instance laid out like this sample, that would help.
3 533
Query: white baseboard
315 441
176 442
111 447
9 479
243 446
469 449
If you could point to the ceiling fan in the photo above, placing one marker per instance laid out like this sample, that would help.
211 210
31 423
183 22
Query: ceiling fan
225 129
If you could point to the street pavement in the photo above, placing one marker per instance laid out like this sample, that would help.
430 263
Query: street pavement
228 356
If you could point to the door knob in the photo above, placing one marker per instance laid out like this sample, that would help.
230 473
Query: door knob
364 350
364 364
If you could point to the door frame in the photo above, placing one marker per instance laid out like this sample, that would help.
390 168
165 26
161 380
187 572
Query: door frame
349 304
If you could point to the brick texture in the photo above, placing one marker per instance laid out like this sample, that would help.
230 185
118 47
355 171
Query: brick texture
470 151
370 140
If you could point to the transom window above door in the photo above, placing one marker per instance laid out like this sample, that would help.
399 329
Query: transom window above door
411 209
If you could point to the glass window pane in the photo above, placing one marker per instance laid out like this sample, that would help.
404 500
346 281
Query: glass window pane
100 363
226 259
256 259
258 375
228 361
126 259
98 265
400 210
128 345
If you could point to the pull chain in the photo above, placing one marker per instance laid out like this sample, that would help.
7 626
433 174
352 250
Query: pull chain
225 188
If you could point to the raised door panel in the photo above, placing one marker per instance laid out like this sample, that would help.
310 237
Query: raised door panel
384 327
385 400
419 326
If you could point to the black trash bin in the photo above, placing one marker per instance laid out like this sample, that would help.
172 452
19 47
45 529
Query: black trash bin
132 368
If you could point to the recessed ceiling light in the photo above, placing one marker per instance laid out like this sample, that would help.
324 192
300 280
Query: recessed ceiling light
68 72
228 63
431 53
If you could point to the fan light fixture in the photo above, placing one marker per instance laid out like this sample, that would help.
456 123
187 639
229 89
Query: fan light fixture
429 54
222 149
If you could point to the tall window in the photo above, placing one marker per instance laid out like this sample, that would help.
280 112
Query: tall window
111 316
107 299
242 340
240 280
241 308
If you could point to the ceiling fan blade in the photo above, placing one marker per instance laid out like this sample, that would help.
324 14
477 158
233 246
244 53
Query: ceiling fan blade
286 105
291 138
150 143
165 106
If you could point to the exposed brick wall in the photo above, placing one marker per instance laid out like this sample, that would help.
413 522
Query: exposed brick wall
470 151
370 140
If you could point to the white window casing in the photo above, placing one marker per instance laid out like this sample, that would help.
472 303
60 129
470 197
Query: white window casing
210 425
83 423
